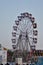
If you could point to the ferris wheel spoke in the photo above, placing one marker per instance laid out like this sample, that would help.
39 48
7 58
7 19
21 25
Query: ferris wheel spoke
30 32
20 26
31 37
27 25
17 34
30 25
28 41
19 29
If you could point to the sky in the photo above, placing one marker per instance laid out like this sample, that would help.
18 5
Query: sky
10 9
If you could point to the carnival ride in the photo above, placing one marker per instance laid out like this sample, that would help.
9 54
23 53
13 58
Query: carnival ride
24 35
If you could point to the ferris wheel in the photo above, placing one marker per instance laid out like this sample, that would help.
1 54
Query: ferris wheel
24 32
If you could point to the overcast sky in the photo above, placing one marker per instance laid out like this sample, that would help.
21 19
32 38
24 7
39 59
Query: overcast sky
10 9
